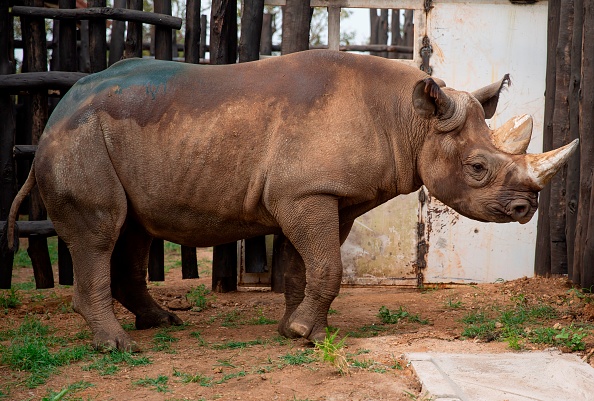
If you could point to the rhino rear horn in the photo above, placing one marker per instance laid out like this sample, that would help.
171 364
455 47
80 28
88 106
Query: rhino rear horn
542 167
489 95
430 101
514 136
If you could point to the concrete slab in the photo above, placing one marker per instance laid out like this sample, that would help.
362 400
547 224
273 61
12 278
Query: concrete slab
541 376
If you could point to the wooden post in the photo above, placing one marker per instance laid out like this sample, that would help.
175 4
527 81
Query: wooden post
396 39
542 262
133 47
296 22
84 58
334 28
383 30
35 52
192 55
116 42
266 36
7 135
223 50
156 270
374 28
584 241
573 166
203 29
223 32
251 30
67 44
163 48
97 39
560 137
193 32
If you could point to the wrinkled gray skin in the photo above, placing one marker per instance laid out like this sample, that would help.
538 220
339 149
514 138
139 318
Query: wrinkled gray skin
299 145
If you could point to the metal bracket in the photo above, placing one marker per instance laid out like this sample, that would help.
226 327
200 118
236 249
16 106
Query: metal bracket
428 5
426 52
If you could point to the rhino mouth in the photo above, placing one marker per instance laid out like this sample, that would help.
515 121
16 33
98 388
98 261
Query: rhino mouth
521 210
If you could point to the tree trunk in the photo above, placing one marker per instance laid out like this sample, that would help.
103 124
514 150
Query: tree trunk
296 21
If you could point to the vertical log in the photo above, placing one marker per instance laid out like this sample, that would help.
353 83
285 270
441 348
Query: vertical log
266 36
374 28
163 44
35 51
224 267
296 22
561 137
573 166
192 55
133 46
97 39
408 34
223 32
84 58
395 30
116 41
156 266
223 50
584 241
251 30
382 35
67 44
192 41
7 135
542 262
203 29
334 28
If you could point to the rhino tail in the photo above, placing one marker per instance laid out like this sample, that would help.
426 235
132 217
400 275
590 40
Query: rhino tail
10 232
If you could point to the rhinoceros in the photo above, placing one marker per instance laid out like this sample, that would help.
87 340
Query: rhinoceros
298 145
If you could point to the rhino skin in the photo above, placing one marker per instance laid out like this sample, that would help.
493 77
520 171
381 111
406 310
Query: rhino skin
298 145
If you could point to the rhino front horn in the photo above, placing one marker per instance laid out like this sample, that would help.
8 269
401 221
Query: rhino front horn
542 167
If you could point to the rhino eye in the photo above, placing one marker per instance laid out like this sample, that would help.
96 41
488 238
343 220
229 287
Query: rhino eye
478 168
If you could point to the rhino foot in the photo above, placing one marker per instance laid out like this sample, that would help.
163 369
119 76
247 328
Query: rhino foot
157 318
104 342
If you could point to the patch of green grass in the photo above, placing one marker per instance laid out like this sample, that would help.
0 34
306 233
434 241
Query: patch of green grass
237 344
261 319
230 376
332 311
371 330
451 304
388 316
197 335
231 319
70 389
200 297
159 383
26 286
162 340
10 298
332 351
109 364
198 378
300 357
33 349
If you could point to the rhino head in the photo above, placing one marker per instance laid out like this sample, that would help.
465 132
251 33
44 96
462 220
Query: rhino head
483 174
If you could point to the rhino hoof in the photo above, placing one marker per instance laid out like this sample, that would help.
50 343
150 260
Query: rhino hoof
121 343
157 319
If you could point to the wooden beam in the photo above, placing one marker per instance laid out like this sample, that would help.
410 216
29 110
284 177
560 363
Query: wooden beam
119 14
29 81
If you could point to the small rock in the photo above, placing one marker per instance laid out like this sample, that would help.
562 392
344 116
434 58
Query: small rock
179 304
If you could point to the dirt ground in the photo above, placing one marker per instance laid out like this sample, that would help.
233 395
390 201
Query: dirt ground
231 357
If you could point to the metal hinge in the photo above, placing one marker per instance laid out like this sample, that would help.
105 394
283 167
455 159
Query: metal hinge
426 52
428 5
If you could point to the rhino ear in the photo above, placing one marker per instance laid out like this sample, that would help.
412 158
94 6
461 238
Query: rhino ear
489 95
428 98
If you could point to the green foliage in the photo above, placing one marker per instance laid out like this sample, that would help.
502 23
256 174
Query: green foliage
72 388
231 319
159 383
200 297
197 335
237 344
230 376
109 364
261 319
162 340
9 299
331 350
451 304
388 316
198 378
301 357
32 349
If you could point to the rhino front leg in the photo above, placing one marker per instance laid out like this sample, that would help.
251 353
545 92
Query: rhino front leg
295 278
128 279
311 224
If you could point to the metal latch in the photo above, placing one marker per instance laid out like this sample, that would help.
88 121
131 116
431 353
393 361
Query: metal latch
426 52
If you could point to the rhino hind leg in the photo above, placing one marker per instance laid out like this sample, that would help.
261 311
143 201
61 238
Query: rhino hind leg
128 279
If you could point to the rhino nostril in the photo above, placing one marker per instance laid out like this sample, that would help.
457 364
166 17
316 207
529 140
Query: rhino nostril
519 209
